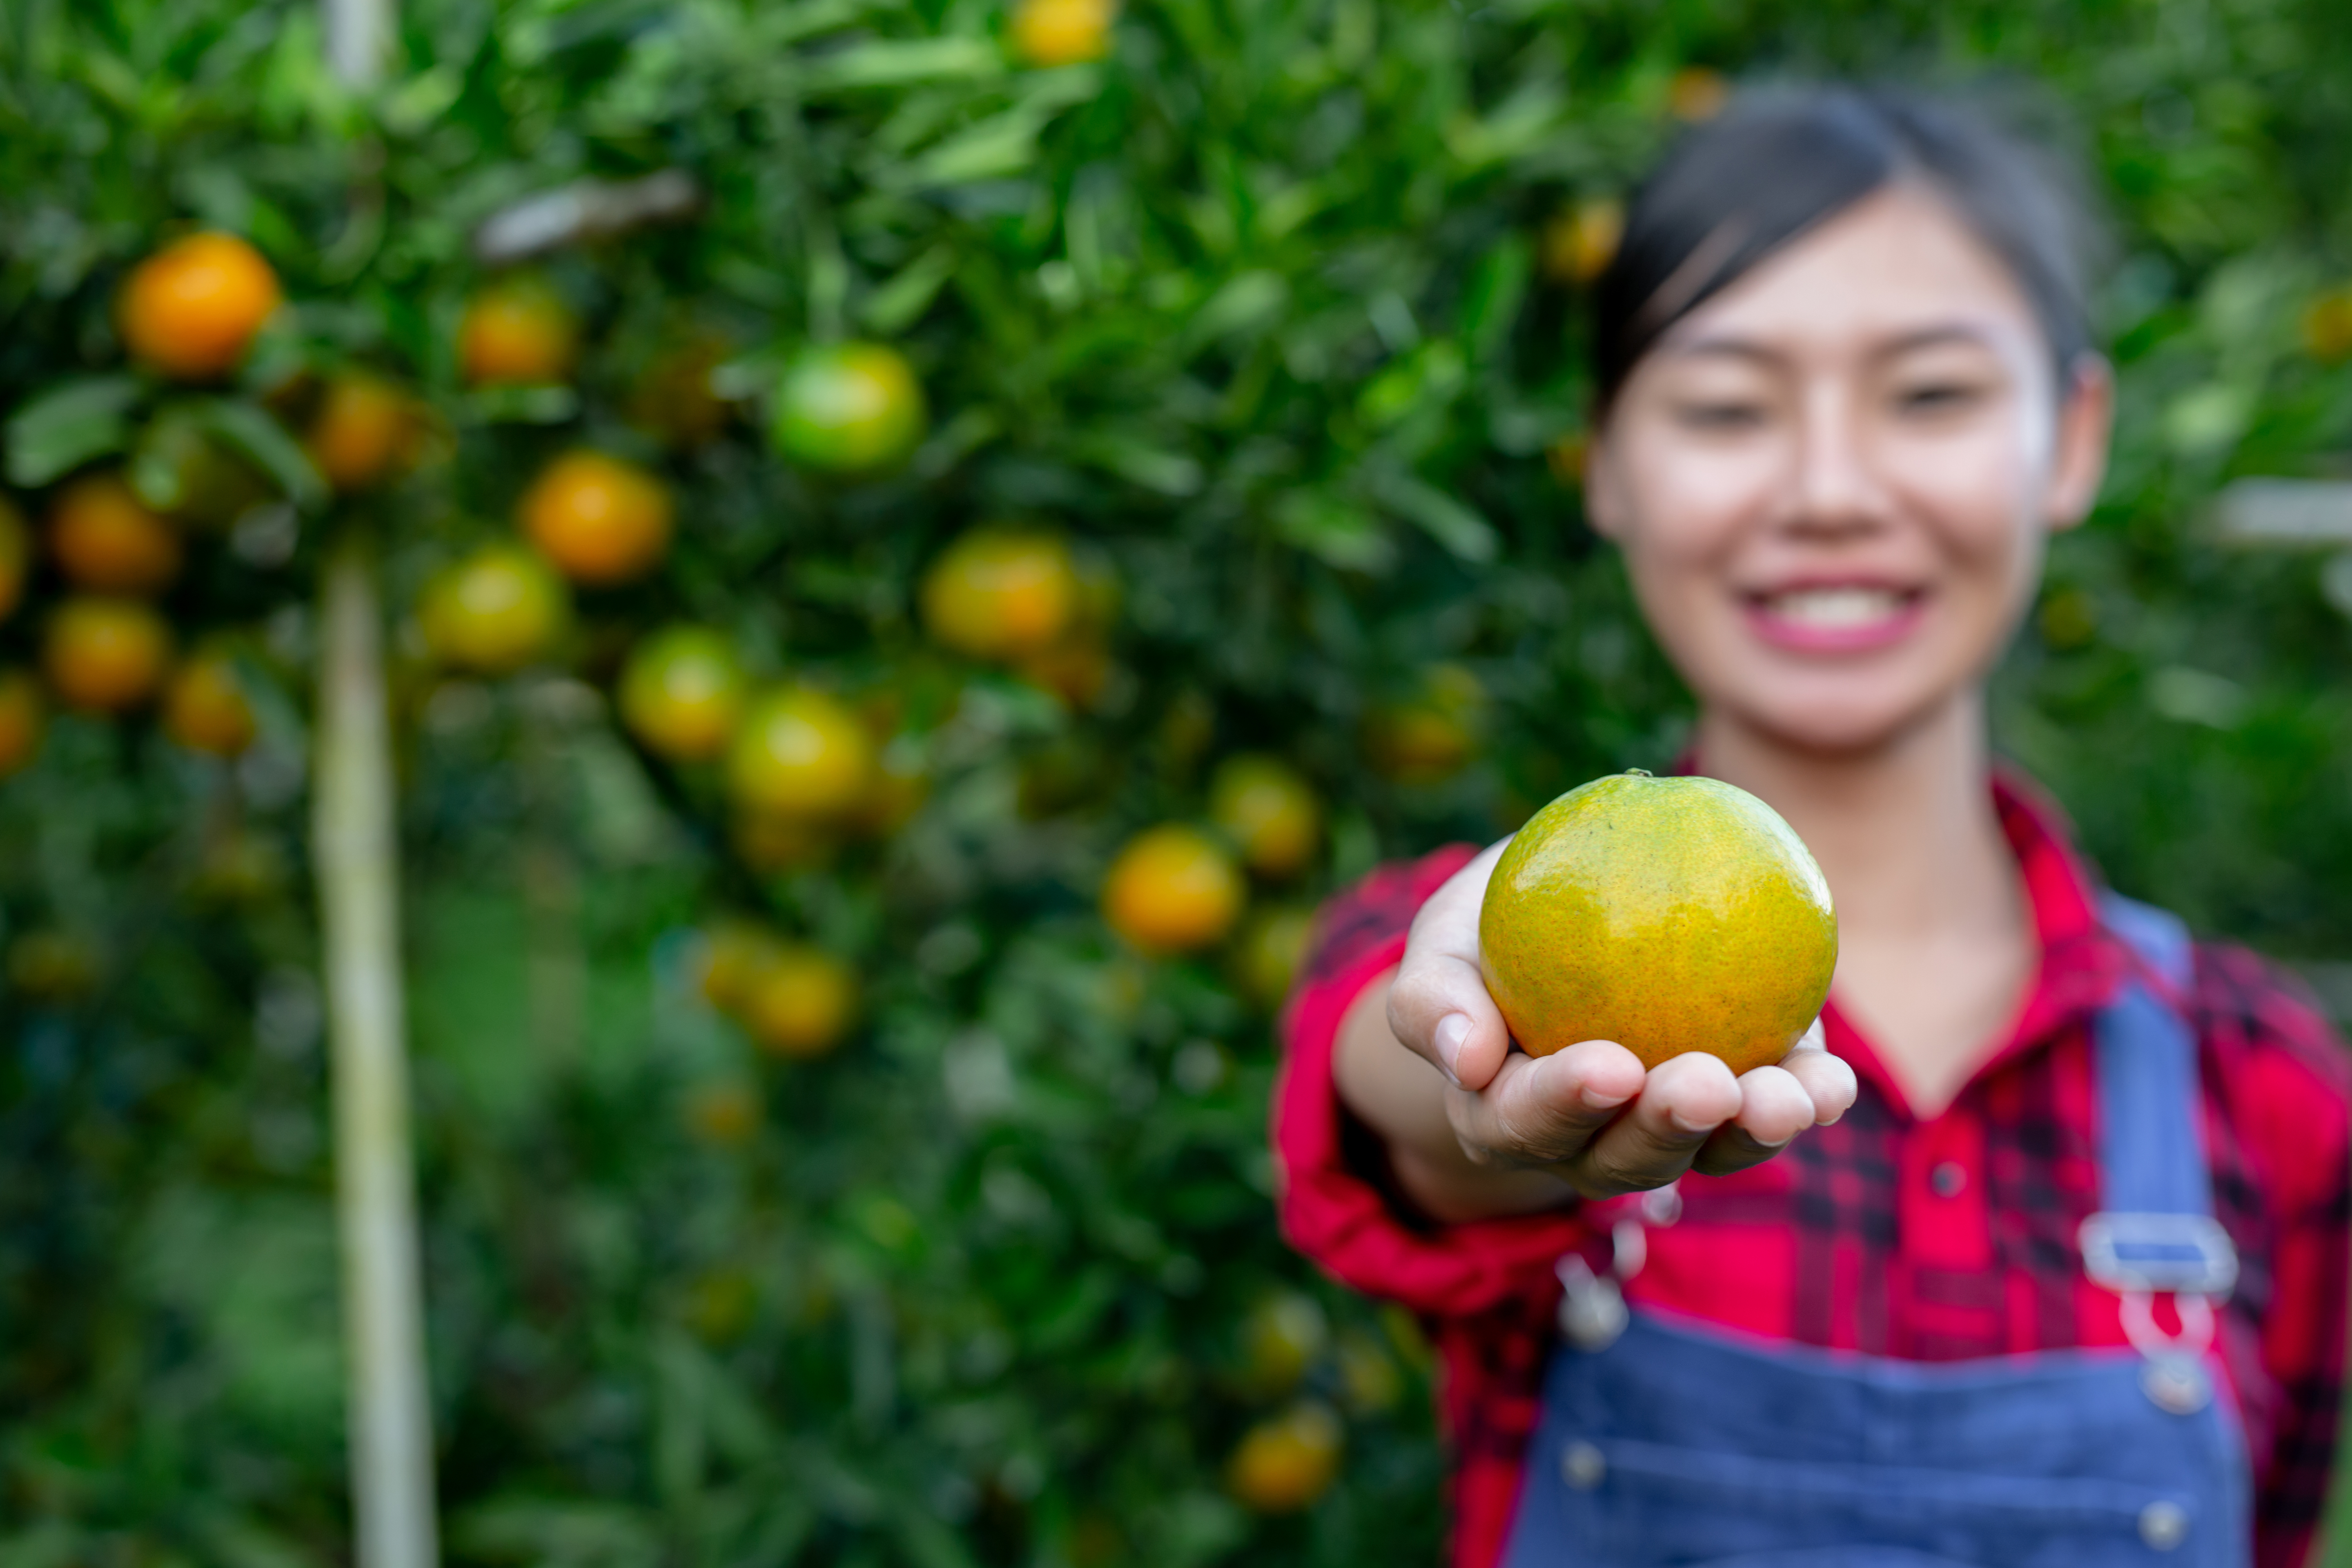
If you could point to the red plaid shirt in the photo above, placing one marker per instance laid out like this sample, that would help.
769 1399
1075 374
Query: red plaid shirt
1937 1239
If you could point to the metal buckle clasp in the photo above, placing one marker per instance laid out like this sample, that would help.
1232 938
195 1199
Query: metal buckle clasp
2157 1253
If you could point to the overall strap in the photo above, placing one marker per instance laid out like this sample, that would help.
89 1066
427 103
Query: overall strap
2157 1232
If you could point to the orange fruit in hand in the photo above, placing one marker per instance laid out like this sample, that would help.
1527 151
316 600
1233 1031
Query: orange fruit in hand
16 557
1001 592
797 1001
799 754
848 408
205 707
1287 1461
1063 32
105 538
192 309
1269 811
600 520
1668 915
682 692
105 655
366 427
1172 889
494 612
24 718
517 332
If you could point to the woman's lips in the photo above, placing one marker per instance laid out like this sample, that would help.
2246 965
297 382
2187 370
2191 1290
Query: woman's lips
1841 618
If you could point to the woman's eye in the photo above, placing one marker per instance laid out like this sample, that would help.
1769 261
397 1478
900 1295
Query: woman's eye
1721 416
1934 397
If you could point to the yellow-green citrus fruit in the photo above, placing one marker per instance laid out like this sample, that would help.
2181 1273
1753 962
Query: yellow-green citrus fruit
1369 1383
104 656
192 309
797 1001
496 611
2327 326
1001 593
205 707
1287 1461
799 754
1282 1337
1172 889
1669 915
848 408
24 718
1432 736
600 520
517 332
1063 32
682 692
1272 946
1579 244
364 429
1269 811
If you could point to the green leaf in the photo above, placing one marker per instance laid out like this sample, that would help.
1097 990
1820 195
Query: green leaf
894 307
1334 530
265 442
1458 528
67 427
902 62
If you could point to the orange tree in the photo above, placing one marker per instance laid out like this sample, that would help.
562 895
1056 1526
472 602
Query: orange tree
886 655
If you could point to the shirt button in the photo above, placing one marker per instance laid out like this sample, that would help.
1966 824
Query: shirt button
1949 1180
2163 1525
1582 1466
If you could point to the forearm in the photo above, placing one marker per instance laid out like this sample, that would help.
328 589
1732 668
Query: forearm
1402 1098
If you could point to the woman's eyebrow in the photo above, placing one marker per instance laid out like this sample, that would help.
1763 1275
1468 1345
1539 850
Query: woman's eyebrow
1731 345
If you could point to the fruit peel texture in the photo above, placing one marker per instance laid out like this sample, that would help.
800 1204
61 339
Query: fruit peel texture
1668 914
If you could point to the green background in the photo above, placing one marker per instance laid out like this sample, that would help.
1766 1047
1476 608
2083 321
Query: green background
1253 311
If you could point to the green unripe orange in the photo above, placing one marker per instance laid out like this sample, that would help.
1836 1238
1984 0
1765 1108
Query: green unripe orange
849 409
1668 915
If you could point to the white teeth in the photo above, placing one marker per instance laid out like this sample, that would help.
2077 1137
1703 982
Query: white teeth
1835 607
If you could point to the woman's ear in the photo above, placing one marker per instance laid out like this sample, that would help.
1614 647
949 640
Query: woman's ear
2085 421
1604 494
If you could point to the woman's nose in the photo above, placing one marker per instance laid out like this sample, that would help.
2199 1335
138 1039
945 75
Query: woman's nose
1836 486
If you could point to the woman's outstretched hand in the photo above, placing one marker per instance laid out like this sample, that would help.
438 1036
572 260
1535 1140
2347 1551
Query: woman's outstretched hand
1588 1114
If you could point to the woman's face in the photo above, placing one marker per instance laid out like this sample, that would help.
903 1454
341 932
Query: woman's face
1831 482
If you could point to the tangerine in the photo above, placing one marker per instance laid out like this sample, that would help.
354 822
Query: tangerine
798 1001
1063 32
517 332
848 408
1172 889
681 693
1001 592
1272 945
799 754
1669 915
1579 244
1283 1336
364 429
205 707
496 611
24 718
602 520
105 655
16 557
1287 1461
192 309
1269 811
724 957
105 538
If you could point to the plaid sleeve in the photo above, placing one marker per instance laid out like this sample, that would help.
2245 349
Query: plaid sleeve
2281 1077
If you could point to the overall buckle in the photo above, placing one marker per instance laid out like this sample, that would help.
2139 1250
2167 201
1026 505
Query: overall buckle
2189 1255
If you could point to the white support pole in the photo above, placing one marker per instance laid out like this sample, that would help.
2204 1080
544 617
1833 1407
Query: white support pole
355 850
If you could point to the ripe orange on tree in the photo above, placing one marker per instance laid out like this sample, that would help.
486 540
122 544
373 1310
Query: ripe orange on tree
799 754
1269 811
797 1001
1432 734
1063 32
848 408
204 706
192 309
1579 244
105 538
363 430
517 332
600 520
1287 1461
1172 889
682 692
496 611
23 718
105 655
1001 592
16 557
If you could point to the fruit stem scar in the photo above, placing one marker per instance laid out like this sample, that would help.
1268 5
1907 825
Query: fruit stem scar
1639 773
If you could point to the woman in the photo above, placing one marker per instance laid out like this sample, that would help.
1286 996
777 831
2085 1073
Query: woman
1951 1290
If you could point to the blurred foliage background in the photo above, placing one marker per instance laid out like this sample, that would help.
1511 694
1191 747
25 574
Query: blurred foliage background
1258 337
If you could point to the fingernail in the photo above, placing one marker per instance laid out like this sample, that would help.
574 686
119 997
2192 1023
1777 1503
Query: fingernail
1684 1124
1452 1030
1600 1099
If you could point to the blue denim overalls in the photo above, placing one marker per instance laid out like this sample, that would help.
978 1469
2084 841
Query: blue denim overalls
1662 1441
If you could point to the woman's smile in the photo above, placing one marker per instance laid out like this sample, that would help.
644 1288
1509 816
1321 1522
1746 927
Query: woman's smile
1828 616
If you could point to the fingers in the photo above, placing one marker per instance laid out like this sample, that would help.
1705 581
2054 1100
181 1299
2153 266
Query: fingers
1773 1108
1828 1081
1542 1111
1438 1004
1681 1105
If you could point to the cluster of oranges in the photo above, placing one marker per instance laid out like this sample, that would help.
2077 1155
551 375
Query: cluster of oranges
1291 1361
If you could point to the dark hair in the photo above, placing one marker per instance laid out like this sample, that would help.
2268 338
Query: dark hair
1777 164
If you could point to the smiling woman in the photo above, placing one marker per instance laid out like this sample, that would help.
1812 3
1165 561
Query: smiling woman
1845 393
